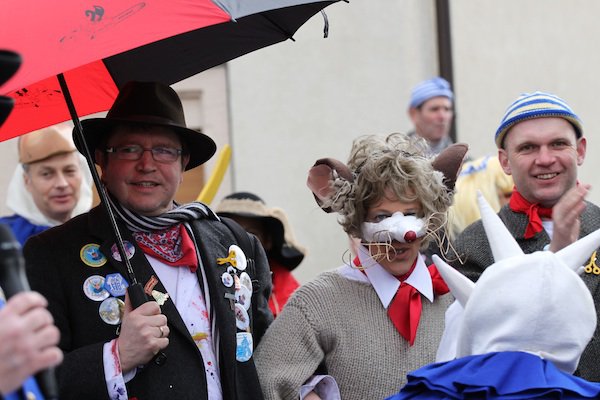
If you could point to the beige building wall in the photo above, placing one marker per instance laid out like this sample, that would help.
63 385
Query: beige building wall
283 107
296 102
299 101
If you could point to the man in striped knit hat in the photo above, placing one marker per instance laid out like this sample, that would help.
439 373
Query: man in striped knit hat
207 302
540 143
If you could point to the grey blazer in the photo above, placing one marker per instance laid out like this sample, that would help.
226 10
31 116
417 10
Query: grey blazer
475 253
55 268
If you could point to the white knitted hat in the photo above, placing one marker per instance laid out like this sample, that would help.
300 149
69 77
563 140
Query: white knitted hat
534 303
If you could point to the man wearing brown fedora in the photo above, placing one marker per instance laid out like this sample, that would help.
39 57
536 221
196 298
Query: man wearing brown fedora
50 185
195 338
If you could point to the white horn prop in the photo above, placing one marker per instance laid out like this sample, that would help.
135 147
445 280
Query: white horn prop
460 286
577 253
502 243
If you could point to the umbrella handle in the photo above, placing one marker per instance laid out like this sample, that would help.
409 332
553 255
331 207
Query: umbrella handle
137 296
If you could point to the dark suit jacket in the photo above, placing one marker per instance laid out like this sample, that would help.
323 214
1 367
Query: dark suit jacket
55 269
474 250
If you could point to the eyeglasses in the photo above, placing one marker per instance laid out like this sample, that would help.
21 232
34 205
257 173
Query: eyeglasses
134 153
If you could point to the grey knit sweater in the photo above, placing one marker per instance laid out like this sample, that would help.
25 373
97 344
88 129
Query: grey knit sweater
343 322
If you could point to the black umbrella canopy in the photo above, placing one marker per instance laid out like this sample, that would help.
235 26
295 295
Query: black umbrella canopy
9 64
208 47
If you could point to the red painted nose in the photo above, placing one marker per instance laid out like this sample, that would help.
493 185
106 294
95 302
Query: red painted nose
410 236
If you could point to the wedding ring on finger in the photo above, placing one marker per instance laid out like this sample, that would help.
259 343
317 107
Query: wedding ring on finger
162 331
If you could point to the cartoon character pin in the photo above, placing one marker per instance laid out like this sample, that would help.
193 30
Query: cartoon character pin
245 347
93 287
129 250
235 258
92 256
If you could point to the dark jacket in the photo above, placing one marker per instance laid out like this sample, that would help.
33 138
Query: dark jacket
56 269
474 250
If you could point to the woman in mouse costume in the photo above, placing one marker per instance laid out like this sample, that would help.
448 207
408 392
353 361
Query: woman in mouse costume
381 315
525 324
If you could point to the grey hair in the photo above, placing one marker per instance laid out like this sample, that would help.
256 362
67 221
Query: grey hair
396 163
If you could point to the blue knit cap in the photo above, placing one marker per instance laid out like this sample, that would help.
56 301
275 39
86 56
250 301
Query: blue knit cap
425 90
536 105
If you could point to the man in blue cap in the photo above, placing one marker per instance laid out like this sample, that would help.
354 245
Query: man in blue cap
540 143
431 111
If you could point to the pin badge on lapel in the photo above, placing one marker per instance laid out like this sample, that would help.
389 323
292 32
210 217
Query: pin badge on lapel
242 320
246 281
235 258
129 250
149 286
591 267
115 284
160 297
92 256
93 288
245 347
111 310
243 296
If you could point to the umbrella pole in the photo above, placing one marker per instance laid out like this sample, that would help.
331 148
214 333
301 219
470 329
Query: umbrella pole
135 290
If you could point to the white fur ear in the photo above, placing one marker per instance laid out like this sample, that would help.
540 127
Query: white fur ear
460 286
502 243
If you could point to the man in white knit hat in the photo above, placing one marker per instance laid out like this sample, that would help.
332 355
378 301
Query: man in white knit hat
50 185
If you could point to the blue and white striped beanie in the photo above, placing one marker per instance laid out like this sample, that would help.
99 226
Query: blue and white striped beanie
536 105
428 89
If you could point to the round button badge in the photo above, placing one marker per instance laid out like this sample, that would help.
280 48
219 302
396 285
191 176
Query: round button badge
242 320
246 281
92 256
239 256
93 287
111 310
227 279
243 296
129 250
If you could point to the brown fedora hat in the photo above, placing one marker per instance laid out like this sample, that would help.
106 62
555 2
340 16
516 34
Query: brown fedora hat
150 103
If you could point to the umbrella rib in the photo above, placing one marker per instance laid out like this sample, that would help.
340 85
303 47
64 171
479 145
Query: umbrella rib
278 26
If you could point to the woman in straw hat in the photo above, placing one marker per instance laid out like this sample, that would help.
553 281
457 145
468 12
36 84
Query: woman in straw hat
270 225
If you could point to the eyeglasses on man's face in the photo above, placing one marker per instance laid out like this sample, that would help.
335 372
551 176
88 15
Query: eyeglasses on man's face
134 152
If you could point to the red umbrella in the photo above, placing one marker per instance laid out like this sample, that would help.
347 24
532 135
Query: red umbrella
100 47
91 50
69 46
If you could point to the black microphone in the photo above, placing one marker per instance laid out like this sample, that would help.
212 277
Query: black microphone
12 281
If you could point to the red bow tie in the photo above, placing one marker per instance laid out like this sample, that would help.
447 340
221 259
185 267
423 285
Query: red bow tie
405 308
534 213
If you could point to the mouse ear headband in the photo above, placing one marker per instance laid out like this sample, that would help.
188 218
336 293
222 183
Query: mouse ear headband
331 181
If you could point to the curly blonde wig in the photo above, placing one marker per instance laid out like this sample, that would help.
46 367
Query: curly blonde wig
395 163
